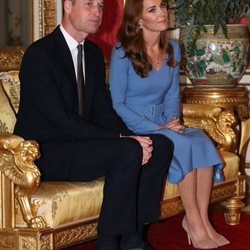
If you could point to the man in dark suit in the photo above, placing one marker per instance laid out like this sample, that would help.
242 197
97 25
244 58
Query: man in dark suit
65 106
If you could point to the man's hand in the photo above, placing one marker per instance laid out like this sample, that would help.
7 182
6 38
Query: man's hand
174 124
147 148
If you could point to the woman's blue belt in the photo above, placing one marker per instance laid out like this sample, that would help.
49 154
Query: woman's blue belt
150 111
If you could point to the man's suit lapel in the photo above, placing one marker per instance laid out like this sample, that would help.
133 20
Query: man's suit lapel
66 66
64 54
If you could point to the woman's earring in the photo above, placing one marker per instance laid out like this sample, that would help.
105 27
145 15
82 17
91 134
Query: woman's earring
140 26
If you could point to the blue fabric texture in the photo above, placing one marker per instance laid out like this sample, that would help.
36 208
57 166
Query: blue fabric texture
145 103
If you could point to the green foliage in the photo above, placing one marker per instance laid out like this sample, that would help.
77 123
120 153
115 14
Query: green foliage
195 14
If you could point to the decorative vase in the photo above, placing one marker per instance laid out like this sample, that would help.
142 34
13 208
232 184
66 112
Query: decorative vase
218 61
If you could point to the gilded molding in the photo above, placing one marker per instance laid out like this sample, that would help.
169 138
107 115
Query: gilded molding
10 59
41 18
7 241
236 99
222 100
49 16
27 242
241 186
46 242
171 207
68 236
221 192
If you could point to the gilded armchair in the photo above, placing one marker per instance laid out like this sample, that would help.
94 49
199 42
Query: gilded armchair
53 215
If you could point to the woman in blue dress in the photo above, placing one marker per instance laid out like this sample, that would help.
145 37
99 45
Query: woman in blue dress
144 85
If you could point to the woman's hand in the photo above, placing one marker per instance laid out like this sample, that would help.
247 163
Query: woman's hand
174 124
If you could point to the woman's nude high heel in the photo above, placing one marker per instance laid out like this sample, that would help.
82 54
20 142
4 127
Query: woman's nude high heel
221 241
205 244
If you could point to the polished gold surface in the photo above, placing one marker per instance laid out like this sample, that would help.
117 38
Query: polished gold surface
234 205
17 163
234 99
51 201
216 122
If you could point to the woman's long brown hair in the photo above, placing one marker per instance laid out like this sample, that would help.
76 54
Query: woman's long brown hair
131 38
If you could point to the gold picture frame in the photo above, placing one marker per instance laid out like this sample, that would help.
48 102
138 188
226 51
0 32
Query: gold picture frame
47 16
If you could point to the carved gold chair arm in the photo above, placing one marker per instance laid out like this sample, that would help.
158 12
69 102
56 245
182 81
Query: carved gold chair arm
244 141
216 121
17 158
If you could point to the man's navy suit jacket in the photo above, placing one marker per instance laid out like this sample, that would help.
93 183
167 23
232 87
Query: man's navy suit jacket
48 110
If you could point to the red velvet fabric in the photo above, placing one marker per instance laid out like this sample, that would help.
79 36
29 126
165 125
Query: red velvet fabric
106 35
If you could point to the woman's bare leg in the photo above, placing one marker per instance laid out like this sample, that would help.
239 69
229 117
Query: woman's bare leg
192 222
204 187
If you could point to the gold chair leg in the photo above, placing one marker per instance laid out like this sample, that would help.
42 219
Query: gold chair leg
233 207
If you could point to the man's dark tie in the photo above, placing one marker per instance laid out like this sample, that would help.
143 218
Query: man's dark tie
80 81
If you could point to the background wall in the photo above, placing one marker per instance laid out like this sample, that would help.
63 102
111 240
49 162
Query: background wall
15 23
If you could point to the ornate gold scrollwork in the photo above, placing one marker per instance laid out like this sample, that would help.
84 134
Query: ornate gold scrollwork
215 121
46 242
49 16
7 241
10 59
17 163
171 207
68 236
227 136
28 243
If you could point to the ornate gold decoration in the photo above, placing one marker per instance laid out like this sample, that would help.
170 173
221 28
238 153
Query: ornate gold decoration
68 236
46 242
10 59
17 163
216 122
222 191
171 207
233 209
27 242
49 16
234 205
225 121
234 99
7 241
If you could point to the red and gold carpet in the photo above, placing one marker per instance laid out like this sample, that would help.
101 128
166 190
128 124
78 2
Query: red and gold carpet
168 234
